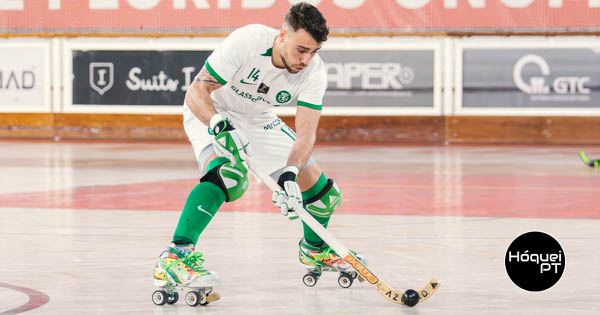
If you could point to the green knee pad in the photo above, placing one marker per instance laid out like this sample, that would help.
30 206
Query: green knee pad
321 206
324 204
231 178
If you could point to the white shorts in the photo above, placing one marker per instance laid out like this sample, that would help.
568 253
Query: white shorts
270 138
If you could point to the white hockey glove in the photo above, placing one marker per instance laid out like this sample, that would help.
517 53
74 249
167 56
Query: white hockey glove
290 198
227 141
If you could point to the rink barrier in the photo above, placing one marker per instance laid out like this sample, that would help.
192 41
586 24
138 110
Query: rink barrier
556 100
332 129
523 129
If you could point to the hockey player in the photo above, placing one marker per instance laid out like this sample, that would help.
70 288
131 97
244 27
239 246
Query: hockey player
228 115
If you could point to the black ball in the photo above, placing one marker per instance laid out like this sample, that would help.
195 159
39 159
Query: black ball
410 297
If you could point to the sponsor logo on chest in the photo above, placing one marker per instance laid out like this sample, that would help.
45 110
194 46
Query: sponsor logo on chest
253 78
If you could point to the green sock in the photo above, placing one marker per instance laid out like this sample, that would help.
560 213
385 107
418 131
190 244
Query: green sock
309 236
200 207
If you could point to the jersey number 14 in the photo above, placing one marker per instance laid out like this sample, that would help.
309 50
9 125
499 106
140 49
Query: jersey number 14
253 74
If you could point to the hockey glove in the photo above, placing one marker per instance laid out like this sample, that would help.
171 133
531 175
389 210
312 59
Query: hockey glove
227 141
290 197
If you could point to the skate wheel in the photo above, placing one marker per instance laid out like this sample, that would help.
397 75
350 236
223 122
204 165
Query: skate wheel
160 297
354 274
203 299
345 280
192 298
173 298
310 279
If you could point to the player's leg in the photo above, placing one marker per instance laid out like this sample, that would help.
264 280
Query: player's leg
322 197
221 181
272 142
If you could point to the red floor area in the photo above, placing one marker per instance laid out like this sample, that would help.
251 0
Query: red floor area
409 194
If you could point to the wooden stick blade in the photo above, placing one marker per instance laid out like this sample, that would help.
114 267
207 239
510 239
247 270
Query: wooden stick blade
363 272
428 290
390 294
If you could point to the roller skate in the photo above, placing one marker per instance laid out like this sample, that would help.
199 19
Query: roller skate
325 259
179 268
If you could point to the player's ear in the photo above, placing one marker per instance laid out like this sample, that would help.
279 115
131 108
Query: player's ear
283 33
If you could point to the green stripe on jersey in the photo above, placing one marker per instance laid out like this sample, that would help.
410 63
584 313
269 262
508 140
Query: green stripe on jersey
267 53
309 105
288 131
214 73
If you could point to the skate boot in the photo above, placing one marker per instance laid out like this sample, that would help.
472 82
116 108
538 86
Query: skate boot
325 259
178 268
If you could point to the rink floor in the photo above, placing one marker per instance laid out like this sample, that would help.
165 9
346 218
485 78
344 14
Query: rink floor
81 226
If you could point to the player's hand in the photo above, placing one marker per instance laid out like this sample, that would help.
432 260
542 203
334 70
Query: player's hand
290 197
228 141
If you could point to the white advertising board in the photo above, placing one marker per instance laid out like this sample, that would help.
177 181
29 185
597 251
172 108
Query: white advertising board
24 76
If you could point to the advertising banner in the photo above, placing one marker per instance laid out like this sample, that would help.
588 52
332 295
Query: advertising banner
531 78
146 80
343 16
379 78
130 77
23 79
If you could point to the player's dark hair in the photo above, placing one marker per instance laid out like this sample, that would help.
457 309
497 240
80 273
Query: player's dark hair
306 16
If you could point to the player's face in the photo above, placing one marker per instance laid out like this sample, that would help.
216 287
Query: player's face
297 49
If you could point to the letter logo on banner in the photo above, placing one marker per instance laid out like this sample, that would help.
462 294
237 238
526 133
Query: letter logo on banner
517 3
101 76
349 4
537 85
413 4
313 2
12 4
143 4
562 85
104 4
452 4
257 4
372 75
24 81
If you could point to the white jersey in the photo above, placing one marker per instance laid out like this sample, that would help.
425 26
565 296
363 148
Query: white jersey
252 84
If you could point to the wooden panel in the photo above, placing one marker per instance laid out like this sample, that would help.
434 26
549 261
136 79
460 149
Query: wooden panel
380 129
347 129
120 126
523 129
26 125
331 129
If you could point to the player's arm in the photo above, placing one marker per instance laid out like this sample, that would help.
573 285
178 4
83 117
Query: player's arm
308 114
219 67
307 120
234 146
198 96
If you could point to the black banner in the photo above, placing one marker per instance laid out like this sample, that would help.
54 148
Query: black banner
128 77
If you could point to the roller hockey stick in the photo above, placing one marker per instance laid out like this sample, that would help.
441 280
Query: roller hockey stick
409 297
586 160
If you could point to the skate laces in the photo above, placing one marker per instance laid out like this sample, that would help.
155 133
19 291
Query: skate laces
195 261
191 262
324 256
